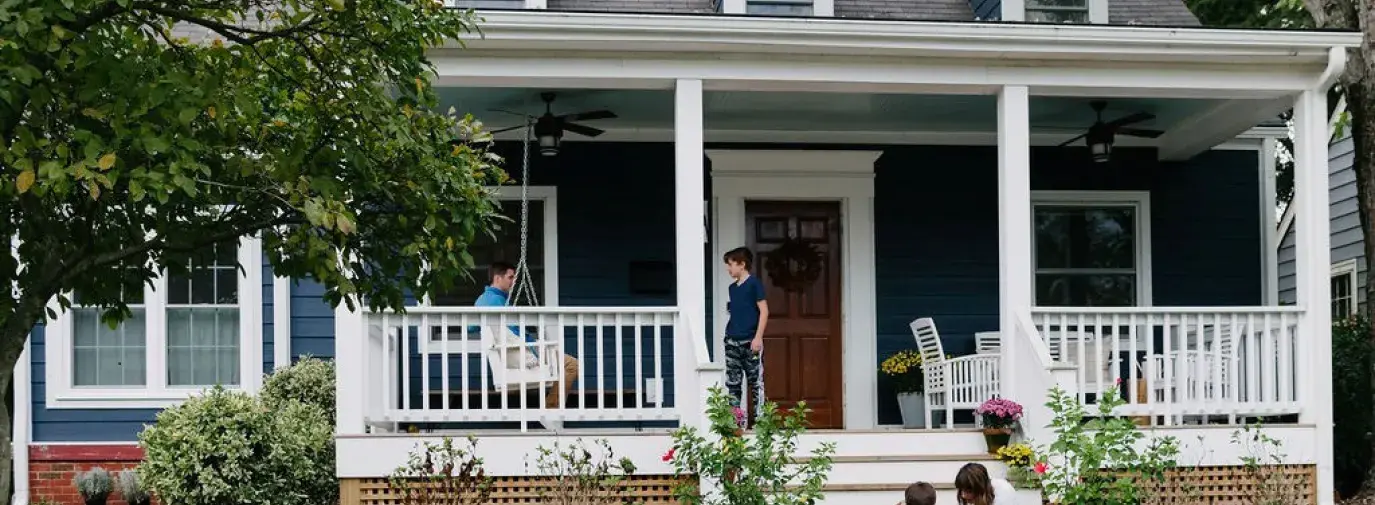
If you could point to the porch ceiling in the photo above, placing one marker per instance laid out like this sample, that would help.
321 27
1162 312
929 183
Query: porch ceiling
847 117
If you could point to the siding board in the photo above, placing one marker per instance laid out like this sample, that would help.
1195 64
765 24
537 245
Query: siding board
1344 224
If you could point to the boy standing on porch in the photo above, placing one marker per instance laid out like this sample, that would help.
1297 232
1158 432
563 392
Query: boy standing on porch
749 315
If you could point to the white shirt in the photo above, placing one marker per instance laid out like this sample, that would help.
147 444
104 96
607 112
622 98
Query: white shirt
1003 493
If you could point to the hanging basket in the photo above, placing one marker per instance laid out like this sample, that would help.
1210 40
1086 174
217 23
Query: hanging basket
793 266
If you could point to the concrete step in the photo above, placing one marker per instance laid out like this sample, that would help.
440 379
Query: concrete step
891 493
895 442
908 468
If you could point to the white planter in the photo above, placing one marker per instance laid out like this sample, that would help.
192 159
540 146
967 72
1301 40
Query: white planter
913 408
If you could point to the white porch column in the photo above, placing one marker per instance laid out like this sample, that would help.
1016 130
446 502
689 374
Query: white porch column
689 217
1313 271
1014 220
350 370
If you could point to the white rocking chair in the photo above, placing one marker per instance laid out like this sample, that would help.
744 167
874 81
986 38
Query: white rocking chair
954 383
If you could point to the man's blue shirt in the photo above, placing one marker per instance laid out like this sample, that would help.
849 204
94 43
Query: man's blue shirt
494 297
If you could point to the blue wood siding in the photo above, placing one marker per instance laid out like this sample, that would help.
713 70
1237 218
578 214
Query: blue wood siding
935 234
988 10
1345 223
110 425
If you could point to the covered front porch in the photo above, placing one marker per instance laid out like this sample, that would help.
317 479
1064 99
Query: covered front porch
929 180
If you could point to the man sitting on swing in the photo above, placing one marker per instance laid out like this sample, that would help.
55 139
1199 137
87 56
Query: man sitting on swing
503 278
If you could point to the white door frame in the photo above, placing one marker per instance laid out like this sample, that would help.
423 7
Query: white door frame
846 177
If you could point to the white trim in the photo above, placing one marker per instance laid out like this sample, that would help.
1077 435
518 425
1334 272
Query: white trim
1269 250
1012 10
281 321
1312 274
732 6
61 394
839 176
23 424
823 8
537 4
1140 201
1348 267
1098 12
718 35
1216 125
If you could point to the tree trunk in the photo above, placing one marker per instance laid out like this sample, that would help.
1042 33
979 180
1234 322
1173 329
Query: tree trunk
1359 98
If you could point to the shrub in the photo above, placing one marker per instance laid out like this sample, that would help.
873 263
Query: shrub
580 477
1100 461
309 380
132 490
227 448
94 485
442 474
1261 457
758 469
1352 354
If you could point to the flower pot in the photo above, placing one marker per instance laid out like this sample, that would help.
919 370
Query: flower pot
997 438
95 500
913 408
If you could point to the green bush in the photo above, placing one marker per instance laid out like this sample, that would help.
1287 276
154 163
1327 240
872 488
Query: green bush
1351 393
1104 459
229 448
310 381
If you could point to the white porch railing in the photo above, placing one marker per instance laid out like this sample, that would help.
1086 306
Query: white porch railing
474 364
1181 363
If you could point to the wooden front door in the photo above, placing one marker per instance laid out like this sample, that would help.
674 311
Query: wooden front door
802 343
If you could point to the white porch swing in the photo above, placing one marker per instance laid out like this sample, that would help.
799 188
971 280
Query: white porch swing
517 365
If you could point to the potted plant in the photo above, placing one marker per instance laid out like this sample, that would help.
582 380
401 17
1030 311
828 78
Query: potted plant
132 490
905 369
1024 468
999 416
94 486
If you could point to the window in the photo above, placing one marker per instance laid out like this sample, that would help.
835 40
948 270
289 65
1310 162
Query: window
1090 248
197 326
779 7
1057 11
1344 300
541 255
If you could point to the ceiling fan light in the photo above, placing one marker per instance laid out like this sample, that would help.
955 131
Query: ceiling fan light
549 145
1102 151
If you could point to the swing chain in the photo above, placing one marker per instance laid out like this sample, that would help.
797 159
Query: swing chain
524 285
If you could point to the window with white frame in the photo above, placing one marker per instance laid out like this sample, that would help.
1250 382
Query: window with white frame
504 245
1090 249
1344 300
1057 11
196 326
779 7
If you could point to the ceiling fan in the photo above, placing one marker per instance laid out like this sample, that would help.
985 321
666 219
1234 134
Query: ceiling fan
1100 135
549 128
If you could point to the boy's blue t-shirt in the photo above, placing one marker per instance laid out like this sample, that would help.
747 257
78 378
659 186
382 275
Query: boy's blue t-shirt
743 307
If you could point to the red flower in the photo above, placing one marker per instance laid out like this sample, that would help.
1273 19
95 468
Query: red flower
1119 381
668 456
1040 467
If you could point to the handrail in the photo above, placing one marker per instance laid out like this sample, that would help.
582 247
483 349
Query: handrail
699 344
1290 309
1028 328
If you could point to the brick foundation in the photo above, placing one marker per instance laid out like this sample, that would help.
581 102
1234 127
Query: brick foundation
52 469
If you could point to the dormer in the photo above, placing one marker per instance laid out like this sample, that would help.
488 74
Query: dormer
823 8
1044 11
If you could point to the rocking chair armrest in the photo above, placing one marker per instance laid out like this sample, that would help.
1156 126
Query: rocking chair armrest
973 358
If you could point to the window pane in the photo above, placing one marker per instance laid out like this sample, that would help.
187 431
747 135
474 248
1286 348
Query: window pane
108 357
1057 16
210 280
505 247
1343 299
1032 4
203 346
1078 237
778 9
1085 290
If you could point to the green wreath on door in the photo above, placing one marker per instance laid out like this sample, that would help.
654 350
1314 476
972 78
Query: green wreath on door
794 265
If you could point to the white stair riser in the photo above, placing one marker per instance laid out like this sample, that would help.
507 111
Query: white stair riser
943 497
904 471
896 444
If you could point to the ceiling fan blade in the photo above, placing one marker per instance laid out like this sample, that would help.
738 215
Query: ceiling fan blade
511 112
1140 132
1134 118
589 115
507 129
582 130
1071 141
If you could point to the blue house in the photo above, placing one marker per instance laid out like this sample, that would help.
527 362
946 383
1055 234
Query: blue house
1083 186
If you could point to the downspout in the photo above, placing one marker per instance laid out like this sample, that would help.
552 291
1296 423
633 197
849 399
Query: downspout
23 383
1336 64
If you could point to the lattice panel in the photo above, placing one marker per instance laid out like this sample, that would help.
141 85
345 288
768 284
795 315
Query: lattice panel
647 489
1234 485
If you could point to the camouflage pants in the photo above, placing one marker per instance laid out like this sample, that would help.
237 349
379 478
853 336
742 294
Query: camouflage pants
743 365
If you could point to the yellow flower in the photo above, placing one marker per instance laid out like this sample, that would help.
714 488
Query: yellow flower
1017 455
901 363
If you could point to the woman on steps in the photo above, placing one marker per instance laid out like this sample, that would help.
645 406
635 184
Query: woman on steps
974 487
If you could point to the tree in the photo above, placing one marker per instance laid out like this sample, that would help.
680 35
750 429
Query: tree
1357 83
135 134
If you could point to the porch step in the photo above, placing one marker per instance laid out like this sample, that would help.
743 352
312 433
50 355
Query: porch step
881 443
876 470
890 493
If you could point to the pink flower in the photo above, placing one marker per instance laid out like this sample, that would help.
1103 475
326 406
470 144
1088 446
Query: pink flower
1040 467
1119 381
668 456
739 415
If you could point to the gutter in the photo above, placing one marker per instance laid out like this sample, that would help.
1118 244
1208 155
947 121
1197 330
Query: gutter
1336 65
578 30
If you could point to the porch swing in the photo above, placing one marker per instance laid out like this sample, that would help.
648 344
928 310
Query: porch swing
517 365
